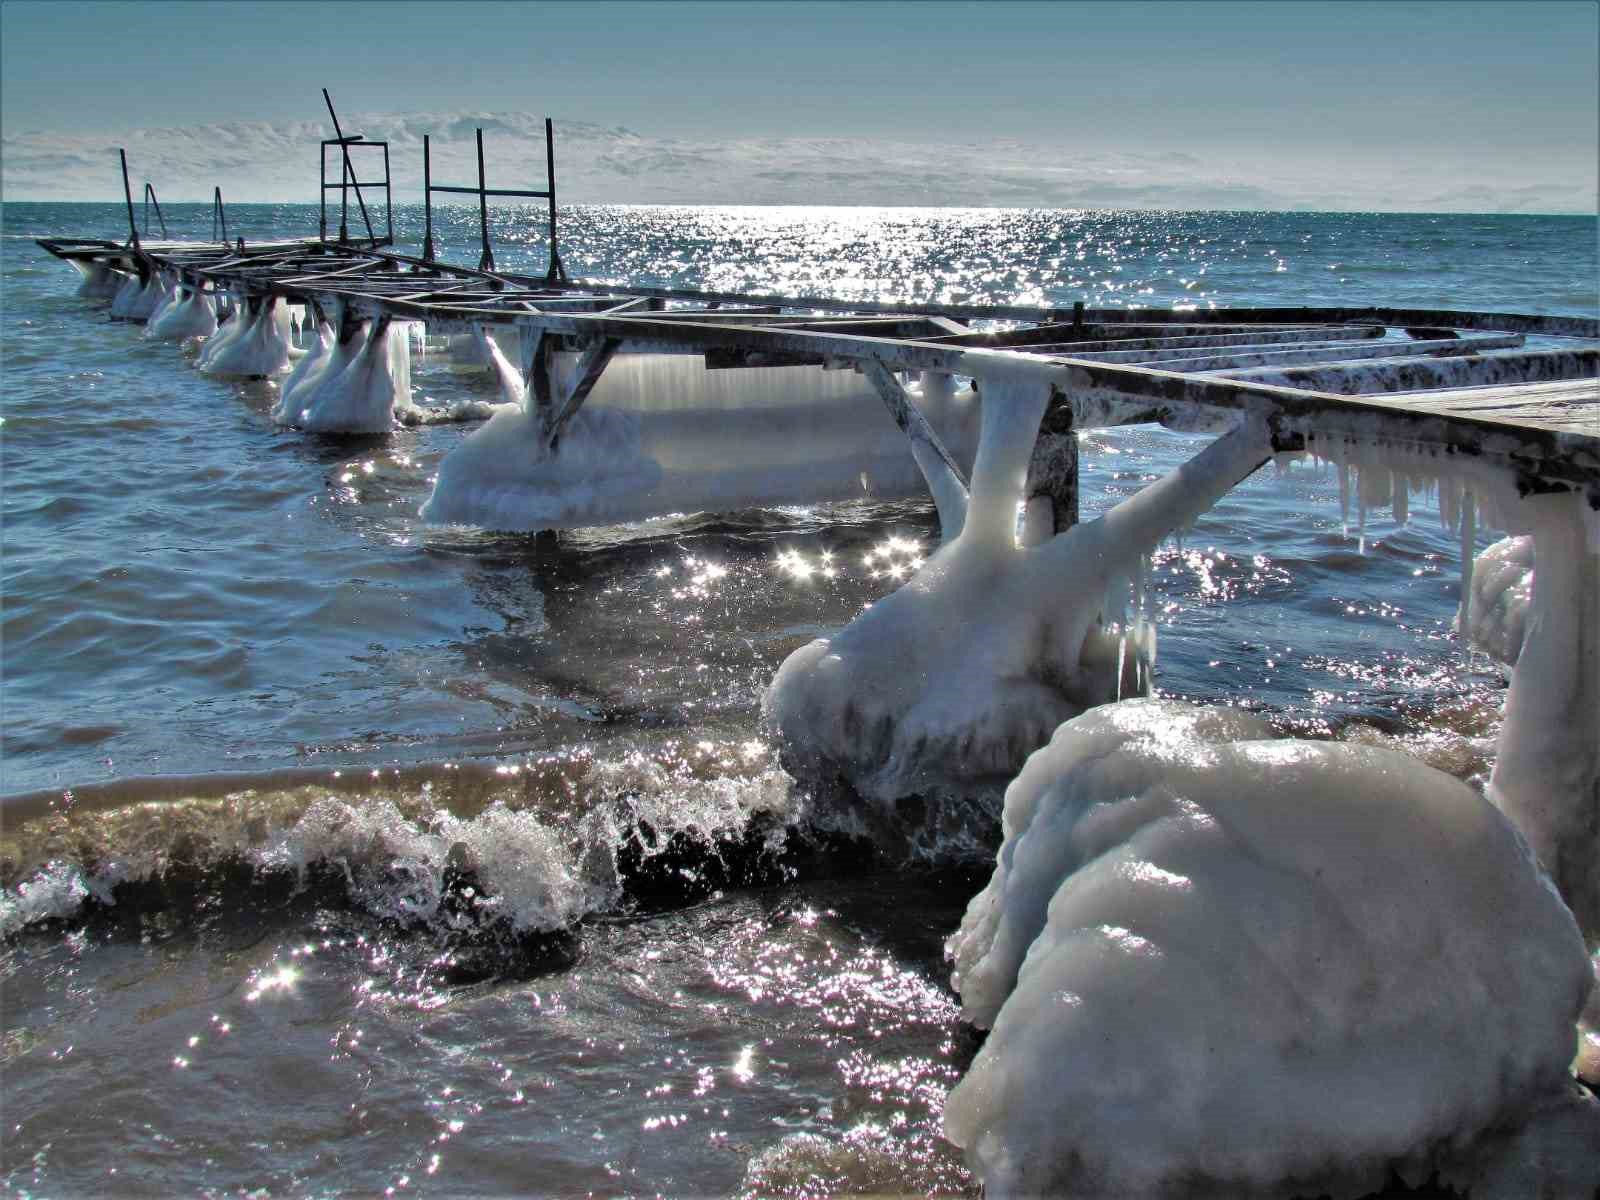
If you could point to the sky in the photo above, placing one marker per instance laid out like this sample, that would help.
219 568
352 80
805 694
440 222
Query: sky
1457 106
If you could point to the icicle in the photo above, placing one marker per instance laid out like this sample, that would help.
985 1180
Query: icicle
1344 494
512 389
1449 503
1468 536
1361 512
361 389
1402 499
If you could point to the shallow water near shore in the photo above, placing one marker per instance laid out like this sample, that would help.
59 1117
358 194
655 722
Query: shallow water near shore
240 675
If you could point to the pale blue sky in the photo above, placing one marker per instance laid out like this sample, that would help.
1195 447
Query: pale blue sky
1507 84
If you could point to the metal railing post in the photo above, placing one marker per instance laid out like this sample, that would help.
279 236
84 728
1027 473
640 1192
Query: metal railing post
427 201
127 192
486 259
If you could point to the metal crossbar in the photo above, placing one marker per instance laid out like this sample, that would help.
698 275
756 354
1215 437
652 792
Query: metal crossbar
557 273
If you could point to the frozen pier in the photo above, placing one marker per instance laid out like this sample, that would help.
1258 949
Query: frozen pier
1520 390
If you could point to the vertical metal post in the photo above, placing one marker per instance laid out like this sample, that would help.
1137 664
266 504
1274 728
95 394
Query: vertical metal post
1053 469
127 192
349 171
486 259
427 201
219 215
388 197
322 193
556 271
149 199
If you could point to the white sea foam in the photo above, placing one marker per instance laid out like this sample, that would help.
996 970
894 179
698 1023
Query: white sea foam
397 841
1263 967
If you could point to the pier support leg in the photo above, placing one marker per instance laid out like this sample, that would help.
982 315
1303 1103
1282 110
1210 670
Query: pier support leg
590 367
1051 496
536 346
1547 764
946 480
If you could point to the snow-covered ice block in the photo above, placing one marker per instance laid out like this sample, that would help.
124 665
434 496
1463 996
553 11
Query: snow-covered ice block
1265 967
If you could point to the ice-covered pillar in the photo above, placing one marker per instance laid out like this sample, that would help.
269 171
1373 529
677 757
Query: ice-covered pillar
1051 495
1547 765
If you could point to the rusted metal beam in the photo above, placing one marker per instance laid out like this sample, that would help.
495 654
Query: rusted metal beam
590 367
908 416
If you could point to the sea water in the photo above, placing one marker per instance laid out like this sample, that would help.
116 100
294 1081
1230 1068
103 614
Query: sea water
429 839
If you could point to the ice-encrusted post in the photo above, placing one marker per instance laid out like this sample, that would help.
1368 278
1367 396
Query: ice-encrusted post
1051 495
942 688
590 367
944 476
1547 764
535 346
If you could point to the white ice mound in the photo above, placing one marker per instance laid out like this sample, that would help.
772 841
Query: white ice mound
137 298
504 476
100 282
307 373
192 313
1502 589
367 377
256 344
1266 967
943 688
1039 849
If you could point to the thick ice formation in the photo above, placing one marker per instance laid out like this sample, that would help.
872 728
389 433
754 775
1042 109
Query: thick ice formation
1004 919
367 377
947 685
1256 967
192 313
307 373
255 345
505 476
100 281
137 298
1501 590
1547 766
680 438
168 297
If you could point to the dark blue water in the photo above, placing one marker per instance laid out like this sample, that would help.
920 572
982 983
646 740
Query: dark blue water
189 590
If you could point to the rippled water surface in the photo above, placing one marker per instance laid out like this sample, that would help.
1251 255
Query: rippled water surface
458 863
